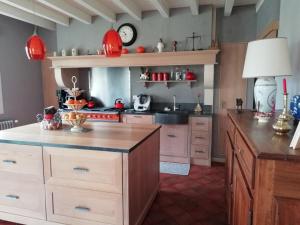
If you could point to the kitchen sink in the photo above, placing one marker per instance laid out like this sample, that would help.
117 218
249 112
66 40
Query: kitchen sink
172 117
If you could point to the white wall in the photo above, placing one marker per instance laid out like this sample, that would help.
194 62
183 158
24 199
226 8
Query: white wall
289 27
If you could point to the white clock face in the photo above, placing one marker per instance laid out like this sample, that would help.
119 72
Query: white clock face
126 33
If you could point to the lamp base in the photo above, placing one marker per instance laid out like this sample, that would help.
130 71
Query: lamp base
265 98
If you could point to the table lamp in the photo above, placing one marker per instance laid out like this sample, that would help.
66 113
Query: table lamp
264 60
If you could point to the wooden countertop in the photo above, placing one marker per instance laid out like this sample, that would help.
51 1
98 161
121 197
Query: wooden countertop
116 137
262 139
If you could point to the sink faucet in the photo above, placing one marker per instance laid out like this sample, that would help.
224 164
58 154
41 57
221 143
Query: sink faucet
174 103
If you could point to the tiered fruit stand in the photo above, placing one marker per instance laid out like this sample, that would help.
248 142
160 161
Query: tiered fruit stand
75 118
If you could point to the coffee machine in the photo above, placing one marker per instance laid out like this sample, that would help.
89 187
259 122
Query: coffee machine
62 96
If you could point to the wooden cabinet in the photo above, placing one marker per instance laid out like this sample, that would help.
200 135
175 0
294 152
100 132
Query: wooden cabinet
174 143
242 200
263 188
139 119
200 140
229 86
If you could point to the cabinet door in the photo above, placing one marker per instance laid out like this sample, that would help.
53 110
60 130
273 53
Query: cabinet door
287 211
242 201
174 140
228 176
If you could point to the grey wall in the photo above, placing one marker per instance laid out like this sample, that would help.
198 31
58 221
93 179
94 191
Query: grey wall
288 27
161 94
239 27
268 12
152 27
21 79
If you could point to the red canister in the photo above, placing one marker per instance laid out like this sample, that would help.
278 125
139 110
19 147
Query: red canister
160 76
154 76
166 76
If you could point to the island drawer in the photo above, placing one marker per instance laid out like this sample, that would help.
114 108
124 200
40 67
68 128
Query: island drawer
138 119
25 199
21 161
199 151
77 206
93 170
245 158
200 123
200 137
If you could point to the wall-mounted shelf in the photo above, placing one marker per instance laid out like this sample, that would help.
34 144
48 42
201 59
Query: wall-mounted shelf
167 83
203 57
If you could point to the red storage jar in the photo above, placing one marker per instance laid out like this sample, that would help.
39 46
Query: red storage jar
154 76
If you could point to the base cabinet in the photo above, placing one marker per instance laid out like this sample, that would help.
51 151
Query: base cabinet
259 190
242 200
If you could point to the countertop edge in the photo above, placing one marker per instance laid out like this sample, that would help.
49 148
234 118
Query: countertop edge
83 147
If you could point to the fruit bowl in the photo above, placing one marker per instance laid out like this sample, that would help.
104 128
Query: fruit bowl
76 120
75 106
74 92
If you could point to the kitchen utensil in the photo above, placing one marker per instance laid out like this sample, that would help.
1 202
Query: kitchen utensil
190 75
142 102
119 104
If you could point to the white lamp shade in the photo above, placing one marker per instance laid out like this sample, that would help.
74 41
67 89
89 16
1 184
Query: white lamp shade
267 57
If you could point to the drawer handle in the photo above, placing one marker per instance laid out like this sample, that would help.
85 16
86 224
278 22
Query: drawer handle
12 196
137 116
198 137
82 169
10 161
82 209
171 135
199 151
200 124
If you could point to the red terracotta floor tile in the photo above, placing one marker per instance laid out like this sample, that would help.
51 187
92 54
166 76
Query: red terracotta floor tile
197 199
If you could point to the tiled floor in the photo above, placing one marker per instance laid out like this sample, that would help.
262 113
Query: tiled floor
197 199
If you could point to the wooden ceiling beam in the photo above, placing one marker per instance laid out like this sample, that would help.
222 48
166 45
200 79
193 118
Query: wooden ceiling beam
19 14
162 6
130 7
194 6
228 7
38 10
98 8
67 9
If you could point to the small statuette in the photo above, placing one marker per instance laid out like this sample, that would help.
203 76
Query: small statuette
54 53
174 46
74 51
63 52
198 108
160 46
239 105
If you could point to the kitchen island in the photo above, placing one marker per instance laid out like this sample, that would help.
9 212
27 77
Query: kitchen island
108 174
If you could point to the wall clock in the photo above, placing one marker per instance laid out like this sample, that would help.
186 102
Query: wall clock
127 33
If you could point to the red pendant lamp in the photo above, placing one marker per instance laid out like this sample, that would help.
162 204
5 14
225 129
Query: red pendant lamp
112 44
35 47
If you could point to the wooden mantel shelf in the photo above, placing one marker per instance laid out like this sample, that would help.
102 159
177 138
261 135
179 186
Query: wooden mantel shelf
203 57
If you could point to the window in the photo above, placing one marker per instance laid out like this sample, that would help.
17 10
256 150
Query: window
1 97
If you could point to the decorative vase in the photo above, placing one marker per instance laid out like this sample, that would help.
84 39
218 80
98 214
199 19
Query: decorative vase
160 46
265 95
295 107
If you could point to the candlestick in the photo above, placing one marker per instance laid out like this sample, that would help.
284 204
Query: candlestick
284 87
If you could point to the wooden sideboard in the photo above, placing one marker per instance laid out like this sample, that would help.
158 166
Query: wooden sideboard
262 173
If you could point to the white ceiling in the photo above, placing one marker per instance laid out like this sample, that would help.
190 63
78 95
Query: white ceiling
48 13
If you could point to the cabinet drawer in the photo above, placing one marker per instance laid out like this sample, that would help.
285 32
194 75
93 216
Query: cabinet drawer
245 158
200 123
174 140
199 151
230 128
93 170
76 206
200 137
21 161
26 198
140 119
